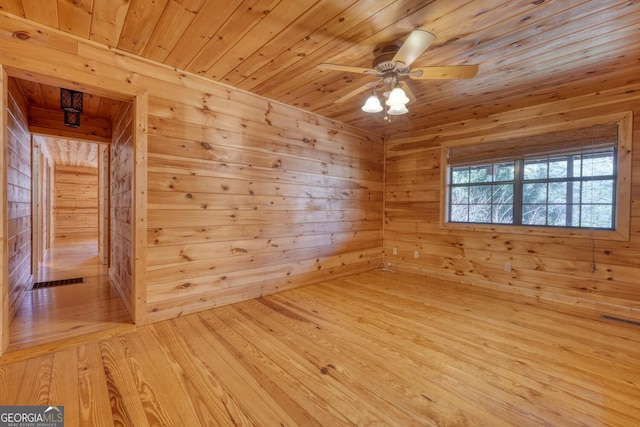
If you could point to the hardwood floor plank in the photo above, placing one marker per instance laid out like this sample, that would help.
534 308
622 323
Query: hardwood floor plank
33 387
263 408
579 383
345 357
276 380
124 391
68 312
164 398
335 403
205 389
10 378
64 385
459 367
94 405
370 349
368 353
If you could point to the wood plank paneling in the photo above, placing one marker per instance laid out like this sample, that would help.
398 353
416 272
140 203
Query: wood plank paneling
76 202
121 189
553 267
231 169
529 52
18 190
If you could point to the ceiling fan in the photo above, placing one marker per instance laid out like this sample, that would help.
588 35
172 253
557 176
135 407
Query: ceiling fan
391 63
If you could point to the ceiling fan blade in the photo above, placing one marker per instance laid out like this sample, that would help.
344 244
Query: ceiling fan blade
417 42
356 92
444 72
346 68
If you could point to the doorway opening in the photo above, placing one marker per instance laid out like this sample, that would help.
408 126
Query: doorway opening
70 211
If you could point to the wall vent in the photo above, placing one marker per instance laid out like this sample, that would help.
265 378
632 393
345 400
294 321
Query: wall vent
52 283
621 320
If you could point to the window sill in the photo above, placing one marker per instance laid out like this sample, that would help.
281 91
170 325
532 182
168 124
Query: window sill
573 233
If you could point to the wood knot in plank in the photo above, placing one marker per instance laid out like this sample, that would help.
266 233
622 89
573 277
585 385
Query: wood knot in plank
21 35
239 251
325 371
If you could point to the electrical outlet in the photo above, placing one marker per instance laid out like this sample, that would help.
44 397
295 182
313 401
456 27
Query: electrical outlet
507 267
395 251
416 254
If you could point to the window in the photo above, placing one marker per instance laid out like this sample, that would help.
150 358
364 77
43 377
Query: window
557 183
569 190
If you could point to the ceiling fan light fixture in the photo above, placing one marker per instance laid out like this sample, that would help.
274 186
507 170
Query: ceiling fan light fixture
397 98
372 105
397 110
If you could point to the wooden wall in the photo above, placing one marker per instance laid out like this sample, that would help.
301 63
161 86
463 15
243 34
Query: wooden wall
103 203
120 206
76 202
245 196
18 199
554 268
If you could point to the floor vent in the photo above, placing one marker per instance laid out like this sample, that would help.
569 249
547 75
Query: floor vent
52 283
621 320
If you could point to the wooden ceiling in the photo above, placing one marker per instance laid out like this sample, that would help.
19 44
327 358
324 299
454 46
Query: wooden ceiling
70 153
529 52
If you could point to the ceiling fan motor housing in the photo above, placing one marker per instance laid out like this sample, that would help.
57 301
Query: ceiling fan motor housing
384 58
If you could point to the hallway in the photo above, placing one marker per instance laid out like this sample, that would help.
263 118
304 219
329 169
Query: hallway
63 315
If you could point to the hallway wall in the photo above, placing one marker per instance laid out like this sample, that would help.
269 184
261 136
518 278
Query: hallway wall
76 202
121 210
18 199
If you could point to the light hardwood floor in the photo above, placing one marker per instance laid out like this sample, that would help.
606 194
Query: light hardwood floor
68 314
377 348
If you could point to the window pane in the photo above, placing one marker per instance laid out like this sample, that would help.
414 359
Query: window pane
597 164
482 173
480 195
535 169
503 204
504 171
558 192
460 213
460 175
534 193
575 215
460 195
557 215
558 167
597 216
480 213
502 214
534 214
503 194
575 190
600 191
577 166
